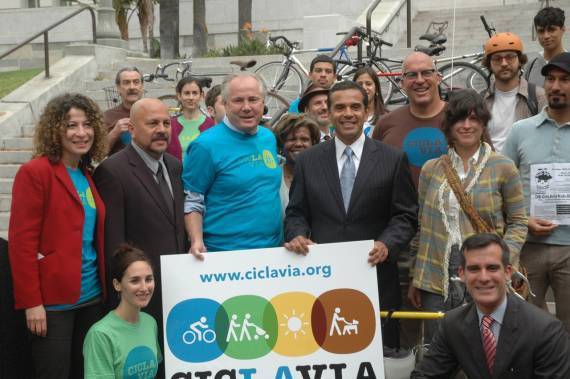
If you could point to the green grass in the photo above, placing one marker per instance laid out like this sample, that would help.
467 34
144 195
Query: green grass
11 80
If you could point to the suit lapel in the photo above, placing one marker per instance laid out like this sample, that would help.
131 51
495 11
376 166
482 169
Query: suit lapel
473 334
330 170
146 178
506 337
176 185
364 171
63 176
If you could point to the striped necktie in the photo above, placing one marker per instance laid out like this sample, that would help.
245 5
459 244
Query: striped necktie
489 342
347 176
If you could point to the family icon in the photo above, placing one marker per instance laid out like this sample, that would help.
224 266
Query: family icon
246 327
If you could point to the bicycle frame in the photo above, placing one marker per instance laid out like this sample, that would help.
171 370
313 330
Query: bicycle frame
294 60
478 57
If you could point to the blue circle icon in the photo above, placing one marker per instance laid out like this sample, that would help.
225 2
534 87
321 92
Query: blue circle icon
191 330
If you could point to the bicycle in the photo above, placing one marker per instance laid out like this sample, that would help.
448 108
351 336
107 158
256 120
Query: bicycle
388 75
206 334
289 76
286 76
468 74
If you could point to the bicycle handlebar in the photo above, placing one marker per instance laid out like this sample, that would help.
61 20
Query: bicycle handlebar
490 30
152 77
376 38
290 44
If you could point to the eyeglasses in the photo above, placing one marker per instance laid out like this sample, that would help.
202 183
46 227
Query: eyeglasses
413 75
510 58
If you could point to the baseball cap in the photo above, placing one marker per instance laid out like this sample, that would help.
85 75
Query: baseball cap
561 61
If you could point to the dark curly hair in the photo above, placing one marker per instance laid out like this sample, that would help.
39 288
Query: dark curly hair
291 122
53 123
463 103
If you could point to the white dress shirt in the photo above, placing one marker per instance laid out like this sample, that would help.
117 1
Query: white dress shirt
357 147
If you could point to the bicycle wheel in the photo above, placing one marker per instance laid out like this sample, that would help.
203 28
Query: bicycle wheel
172 103
189 337
276 105
209 336
387 83
284 80
464 75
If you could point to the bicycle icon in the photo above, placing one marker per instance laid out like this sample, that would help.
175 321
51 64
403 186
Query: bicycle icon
194 334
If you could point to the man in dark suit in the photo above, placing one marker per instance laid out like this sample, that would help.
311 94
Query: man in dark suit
141 187
354 188
498 335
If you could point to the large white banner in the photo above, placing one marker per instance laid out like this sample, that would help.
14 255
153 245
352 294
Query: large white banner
271 313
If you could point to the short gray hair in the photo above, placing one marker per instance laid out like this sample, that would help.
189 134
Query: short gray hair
126 69
228 79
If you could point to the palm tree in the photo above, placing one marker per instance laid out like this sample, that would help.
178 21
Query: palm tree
121 10
169 29
145 14
244 17
200 33
145 11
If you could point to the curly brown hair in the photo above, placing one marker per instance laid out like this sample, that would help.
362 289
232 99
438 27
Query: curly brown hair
53 122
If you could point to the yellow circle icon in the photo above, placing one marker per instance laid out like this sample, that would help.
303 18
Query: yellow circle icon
90 199
269 160
295 334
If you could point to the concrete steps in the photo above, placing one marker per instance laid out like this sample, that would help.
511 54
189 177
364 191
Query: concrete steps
14 151
6 186
5 202
470 35
4 222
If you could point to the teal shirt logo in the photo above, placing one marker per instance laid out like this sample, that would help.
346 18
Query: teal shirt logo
141 363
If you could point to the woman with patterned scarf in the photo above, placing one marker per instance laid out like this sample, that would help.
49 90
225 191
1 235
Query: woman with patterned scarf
470 190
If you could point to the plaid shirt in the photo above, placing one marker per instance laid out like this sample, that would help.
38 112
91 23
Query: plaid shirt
497 196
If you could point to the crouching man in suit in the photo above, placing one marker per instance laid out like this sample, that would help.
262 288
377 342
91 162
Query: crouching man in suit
497 335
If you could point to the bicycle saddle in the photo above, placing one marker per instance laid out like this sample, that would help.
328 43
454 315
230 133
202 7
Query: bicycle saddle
436 39
205 81
243 65
430 50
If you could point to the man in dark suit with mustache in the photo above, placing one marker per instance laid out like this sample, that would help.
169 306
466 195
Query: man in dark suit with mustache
141 187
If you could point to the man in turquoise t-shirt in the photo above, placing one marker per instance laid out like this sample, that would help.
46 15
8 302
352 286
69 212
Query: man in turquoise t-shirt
232 176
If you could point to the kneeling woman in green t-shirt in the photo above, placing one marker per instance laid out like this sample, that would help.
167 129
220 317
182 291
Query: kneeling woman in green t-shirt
124 343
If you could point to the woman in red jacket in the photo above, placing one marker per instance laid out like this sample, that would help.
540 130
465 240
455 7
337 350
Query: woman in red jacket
191 122
56 235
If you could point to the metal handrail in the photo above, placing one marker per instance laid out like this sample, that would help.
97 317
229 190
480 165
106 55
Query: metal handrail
45 33
369 12
408 21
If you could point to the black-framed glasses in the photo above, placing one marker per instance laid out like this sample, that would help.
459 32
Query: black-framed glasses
413 75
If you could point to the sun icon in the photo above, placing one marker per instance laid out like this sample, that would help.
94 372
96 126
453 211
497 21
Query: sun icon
294 324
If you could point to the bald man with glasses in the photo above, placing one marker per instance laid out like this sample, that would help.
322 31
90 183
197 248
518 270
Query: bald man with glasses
415 128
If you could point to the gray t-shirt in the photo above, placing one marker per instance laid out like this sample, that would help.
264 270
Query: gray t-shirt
533 67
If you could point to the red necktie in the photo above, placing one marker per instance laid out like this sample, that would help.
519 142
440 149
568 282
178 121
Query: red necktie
489 342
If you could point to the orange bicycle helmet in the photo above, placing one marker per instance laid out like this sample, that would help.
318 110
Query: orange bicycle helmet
503 42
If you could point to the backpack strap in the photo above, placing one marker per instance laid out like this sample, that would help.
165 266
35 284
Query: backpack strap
531 65
531 100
